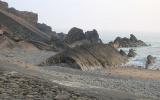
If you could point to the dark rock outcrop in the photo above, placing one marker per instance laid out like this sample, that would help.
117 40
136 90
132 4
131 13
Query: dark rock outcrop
3 5
75 34
47 29
132 53
61 36
122 53
127 42
133 38
88 57
150 61
93 36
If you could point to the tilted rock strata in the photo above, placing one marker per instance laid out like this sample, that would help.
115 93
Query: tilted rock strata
88 57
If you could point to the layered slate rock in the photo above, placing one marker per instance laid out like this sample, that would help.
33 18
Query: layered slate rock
127 42
88 57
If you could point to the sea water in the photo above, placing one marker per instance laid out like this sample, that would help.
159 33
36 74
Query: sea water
142 52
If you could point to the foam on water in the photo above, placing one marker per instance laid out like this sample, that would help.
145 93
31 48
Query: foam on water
143 52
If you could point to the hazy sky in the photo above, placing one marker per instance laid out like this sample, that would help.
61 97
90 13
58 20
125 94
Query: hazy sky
107 15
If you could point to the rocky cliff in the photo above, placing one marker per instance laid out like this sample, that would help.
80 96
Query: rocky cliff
24 25
30 17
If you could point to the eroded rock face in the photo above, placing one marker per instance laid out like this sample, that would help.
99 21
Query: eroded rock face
75 34
88 57
127 42
150 61
93 36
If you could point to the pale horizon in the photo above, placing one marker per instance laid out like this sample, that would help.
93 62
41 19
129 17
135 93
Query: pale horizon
104 15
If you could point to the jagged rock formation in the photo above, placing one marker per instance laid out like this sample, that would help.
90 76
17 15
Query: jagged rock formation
75 34
15 86
93 36
127 42
88 57
76 37
132 53
122 53
150 61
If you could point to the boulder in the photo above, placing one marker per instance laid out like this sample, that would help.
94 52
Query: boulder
150 61
93 36
88 57
122 53
131 53
75 34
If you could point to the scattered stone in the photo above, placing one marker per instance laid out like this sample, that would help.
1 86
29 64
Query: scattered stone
133 38
20 87
62 96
